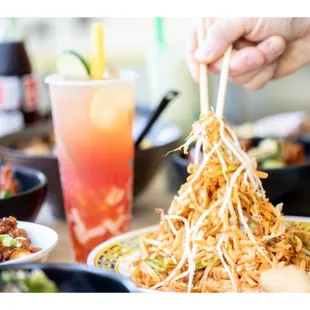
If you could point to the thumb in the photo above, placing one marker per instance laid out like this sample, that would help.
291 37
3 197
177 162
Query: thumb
220 35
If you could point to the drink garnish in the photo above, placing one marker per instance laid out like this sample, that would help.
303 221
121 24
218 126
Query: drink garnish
70 63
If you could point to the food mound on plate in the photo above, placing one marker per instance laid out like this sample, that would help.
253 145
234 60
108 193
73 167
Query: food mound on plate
8 184
221 231
20 281
14 242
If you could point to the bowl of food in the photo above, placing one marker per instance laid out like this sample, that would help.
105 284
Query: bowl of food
22 192
35 147
61 278
24 242
286 163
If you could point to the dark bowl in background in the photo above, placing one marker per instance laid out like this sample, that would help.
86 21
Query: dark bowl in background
26 205
163 136
290 185
47 164
75 278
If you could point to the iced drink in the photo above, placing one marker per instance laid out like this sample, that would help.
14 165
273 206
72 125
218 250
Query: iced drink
93 128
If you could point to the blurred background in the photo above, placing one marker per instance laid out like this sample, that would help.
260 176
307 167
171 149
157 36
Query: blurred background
155 48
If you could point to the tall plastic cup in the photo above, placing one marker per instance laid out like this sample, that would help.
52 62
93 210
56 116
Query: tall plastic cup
93 129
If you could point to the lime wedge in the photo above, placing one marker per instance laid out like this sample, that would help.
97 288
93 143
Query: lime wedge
70 63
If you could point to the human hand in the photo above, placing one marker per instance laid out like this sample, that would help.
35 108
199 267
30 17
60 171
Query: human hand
263 48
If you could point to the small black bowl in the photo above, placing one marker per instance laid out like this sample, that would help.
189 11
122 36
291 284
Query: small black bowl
26 205
289 185
75 278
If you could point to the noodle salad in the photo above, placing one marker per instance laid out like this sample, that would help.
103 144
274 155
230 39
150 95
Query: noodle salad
221 231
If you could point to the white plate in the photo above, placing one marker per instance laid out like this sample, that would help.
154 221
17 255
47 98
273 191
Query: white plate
40 236
118 253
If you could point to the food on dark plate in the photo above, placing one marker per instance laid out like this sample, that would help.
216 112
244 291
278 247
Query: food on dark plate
14 242
271 153
304 128
38 145
20 281
8 184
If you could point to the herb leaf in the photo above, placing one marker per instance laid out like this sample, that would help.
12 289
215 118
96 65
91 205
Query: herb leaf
156 263
211 262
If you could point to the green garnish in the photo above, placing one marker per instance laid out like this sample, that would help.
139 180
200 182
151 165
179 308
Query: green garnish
2 237
8 242
308 247
272 164
70 63
211 262
28 282
291 236
5 194
274 239
156 263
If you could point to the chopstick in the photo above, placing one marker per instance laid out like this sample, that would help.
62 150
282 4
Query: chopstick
203 76
203 70
223 83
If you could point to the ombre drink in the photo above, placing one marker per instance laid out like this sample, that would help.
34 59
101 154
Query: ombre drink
93 127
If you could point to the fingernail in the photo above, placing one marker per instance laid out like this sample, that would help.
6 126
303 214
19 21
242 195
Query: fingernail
277 49
203 54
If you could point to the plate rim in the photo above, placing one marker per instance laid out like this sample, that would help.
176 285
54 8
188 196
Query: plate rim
99 247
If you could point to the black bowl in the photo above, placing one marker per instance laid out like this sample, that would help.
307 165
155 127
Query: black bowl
163 136
26 205
289 185
75 278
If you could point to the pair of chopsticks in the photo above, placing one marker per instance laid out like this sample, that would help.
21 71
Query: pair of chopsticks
203 76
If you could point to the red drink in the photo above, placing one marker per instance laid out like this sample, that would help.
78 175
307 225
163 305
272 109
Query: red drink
93 129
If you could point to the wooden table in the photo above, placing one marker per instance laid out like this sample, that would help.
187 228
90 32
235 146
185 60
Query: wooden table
155 196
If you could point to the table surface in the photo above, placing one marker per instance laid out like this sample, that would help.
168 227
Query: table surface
155 196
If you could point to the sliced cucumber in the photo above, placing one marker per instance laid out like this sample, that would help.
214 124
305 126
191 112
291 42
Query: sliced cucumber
266 149
70 63
271 146
273 164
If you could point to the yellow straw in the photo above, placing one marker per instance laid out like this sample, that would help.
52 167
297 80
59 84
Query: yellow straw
97 63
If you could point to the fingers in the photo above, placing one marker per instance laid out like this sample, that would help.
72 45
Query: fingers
262 78
272 48
242 43
293 59
222 33
192 63
246 60
251 58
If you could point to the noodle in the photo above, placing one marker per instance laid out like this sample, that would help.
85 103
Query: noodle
221 231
